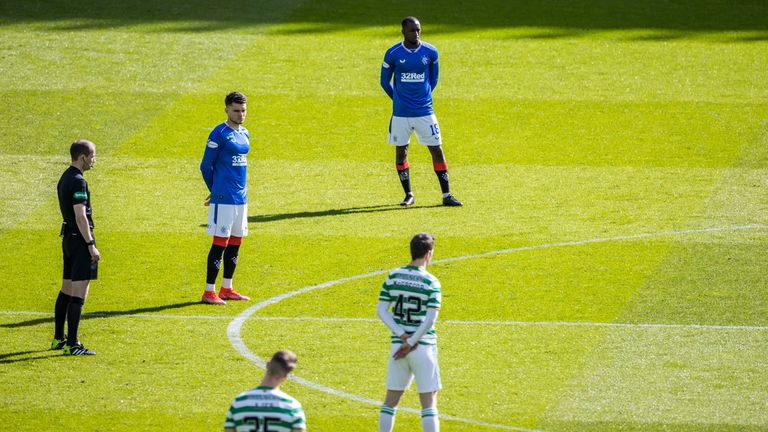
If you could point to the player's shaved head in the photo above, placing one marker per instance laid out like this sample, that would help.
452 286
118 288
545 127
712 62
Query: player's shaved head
409 20
421 244
282 363
81 147
233 98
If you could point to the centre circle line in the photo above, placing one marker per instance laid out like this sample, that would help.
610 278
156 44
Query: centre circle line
235 326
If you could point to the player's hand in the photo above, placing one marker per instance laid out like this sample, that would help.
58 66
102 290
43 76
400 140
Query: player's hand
207 201
404 350
95 255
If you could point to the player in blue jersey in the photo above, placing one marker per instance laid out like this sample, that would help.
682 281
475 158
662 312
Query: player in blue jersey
409 75
224 172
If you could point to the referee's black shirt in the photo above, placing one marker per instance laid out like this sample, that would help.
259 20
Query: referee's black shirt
73 189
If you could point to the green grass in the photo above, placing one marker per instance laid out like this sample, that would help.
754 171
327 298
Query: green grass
563 122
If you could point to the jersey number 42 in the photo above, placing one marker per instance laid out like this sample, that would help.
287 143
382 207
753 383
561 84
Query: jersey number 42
402 309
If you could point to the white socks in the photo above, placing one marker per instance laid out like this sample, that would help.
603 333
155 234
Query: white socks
429 420
387 418
226 283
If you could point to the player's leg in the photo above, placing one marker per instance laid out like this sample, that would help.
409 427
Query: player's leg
430 422
232 253
428 133
213 264
399 377
441 170
404 173
425 368
388 410
220 218
399 135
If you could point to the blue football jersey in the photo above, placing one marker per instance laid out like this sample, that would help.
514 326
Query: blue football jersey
224 164
409 76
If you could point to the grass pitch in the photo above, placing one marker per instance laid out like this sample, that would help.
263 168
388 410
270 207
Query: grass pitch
608 267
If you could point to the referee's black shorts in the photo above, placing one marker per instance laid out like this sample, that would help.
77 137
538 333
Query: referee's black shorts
77 260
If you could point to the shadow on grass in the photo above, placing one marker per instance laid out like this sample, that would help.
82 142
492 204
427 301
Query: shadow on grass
332 212
454 15
5 358
101 314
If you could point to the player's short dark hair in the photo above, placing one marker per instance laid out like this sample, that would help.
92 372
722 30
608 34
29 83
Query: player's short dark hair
409 19
234 97
81 147
421 243
282 363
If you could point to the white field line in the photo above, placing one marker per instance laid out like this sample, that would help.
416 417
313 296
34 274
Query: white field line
376 320
235 326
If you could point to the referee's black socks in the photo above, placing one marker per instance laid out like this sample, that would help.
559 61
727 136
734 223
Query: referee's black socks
74 310
60 314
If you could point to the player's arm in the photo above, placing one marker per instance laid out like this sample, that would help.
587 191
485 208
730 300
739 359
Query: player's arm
229 422
382 310
386 76
425 325
434 72
212 150
411 342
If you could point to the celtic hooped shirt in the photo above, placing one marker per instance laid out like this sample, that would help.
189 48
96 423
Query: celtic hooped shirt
265 409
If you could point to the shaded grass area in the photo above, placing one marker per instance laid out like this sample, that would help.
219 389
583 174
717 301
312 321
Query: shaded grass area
709 15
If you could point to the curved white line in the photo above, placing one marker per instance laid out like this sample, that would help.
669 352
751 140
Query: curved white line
235 326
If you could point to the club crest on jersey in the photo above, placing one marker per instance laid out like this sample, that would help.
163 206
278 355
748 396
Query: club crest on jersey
239 160
424 60
212 144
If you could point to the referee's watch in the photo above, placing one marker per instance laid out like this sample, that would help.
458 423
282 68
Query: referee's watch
91 243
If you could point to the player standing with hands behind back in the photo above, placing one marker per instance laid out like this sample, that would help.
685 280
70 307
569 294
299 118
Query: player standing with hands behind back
413 64
416 296
224 172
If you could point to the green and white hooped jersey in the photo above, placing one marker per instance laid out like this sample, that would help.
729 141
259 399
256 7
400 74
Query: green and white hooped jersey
411 291
265 409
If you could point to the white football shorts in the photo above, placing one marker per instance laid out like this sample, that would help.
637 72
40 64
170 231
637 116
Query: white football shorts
426 128
420 363
225 220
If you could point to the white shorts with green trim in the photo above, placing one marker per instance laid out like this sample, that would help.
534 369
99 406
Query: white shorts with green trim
420 363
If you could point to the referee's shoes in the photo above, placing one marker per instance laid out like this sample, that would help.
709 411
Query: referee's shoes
77 350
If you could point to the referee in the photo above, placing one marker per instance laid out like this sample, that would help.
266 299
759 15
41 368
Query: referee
81 258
